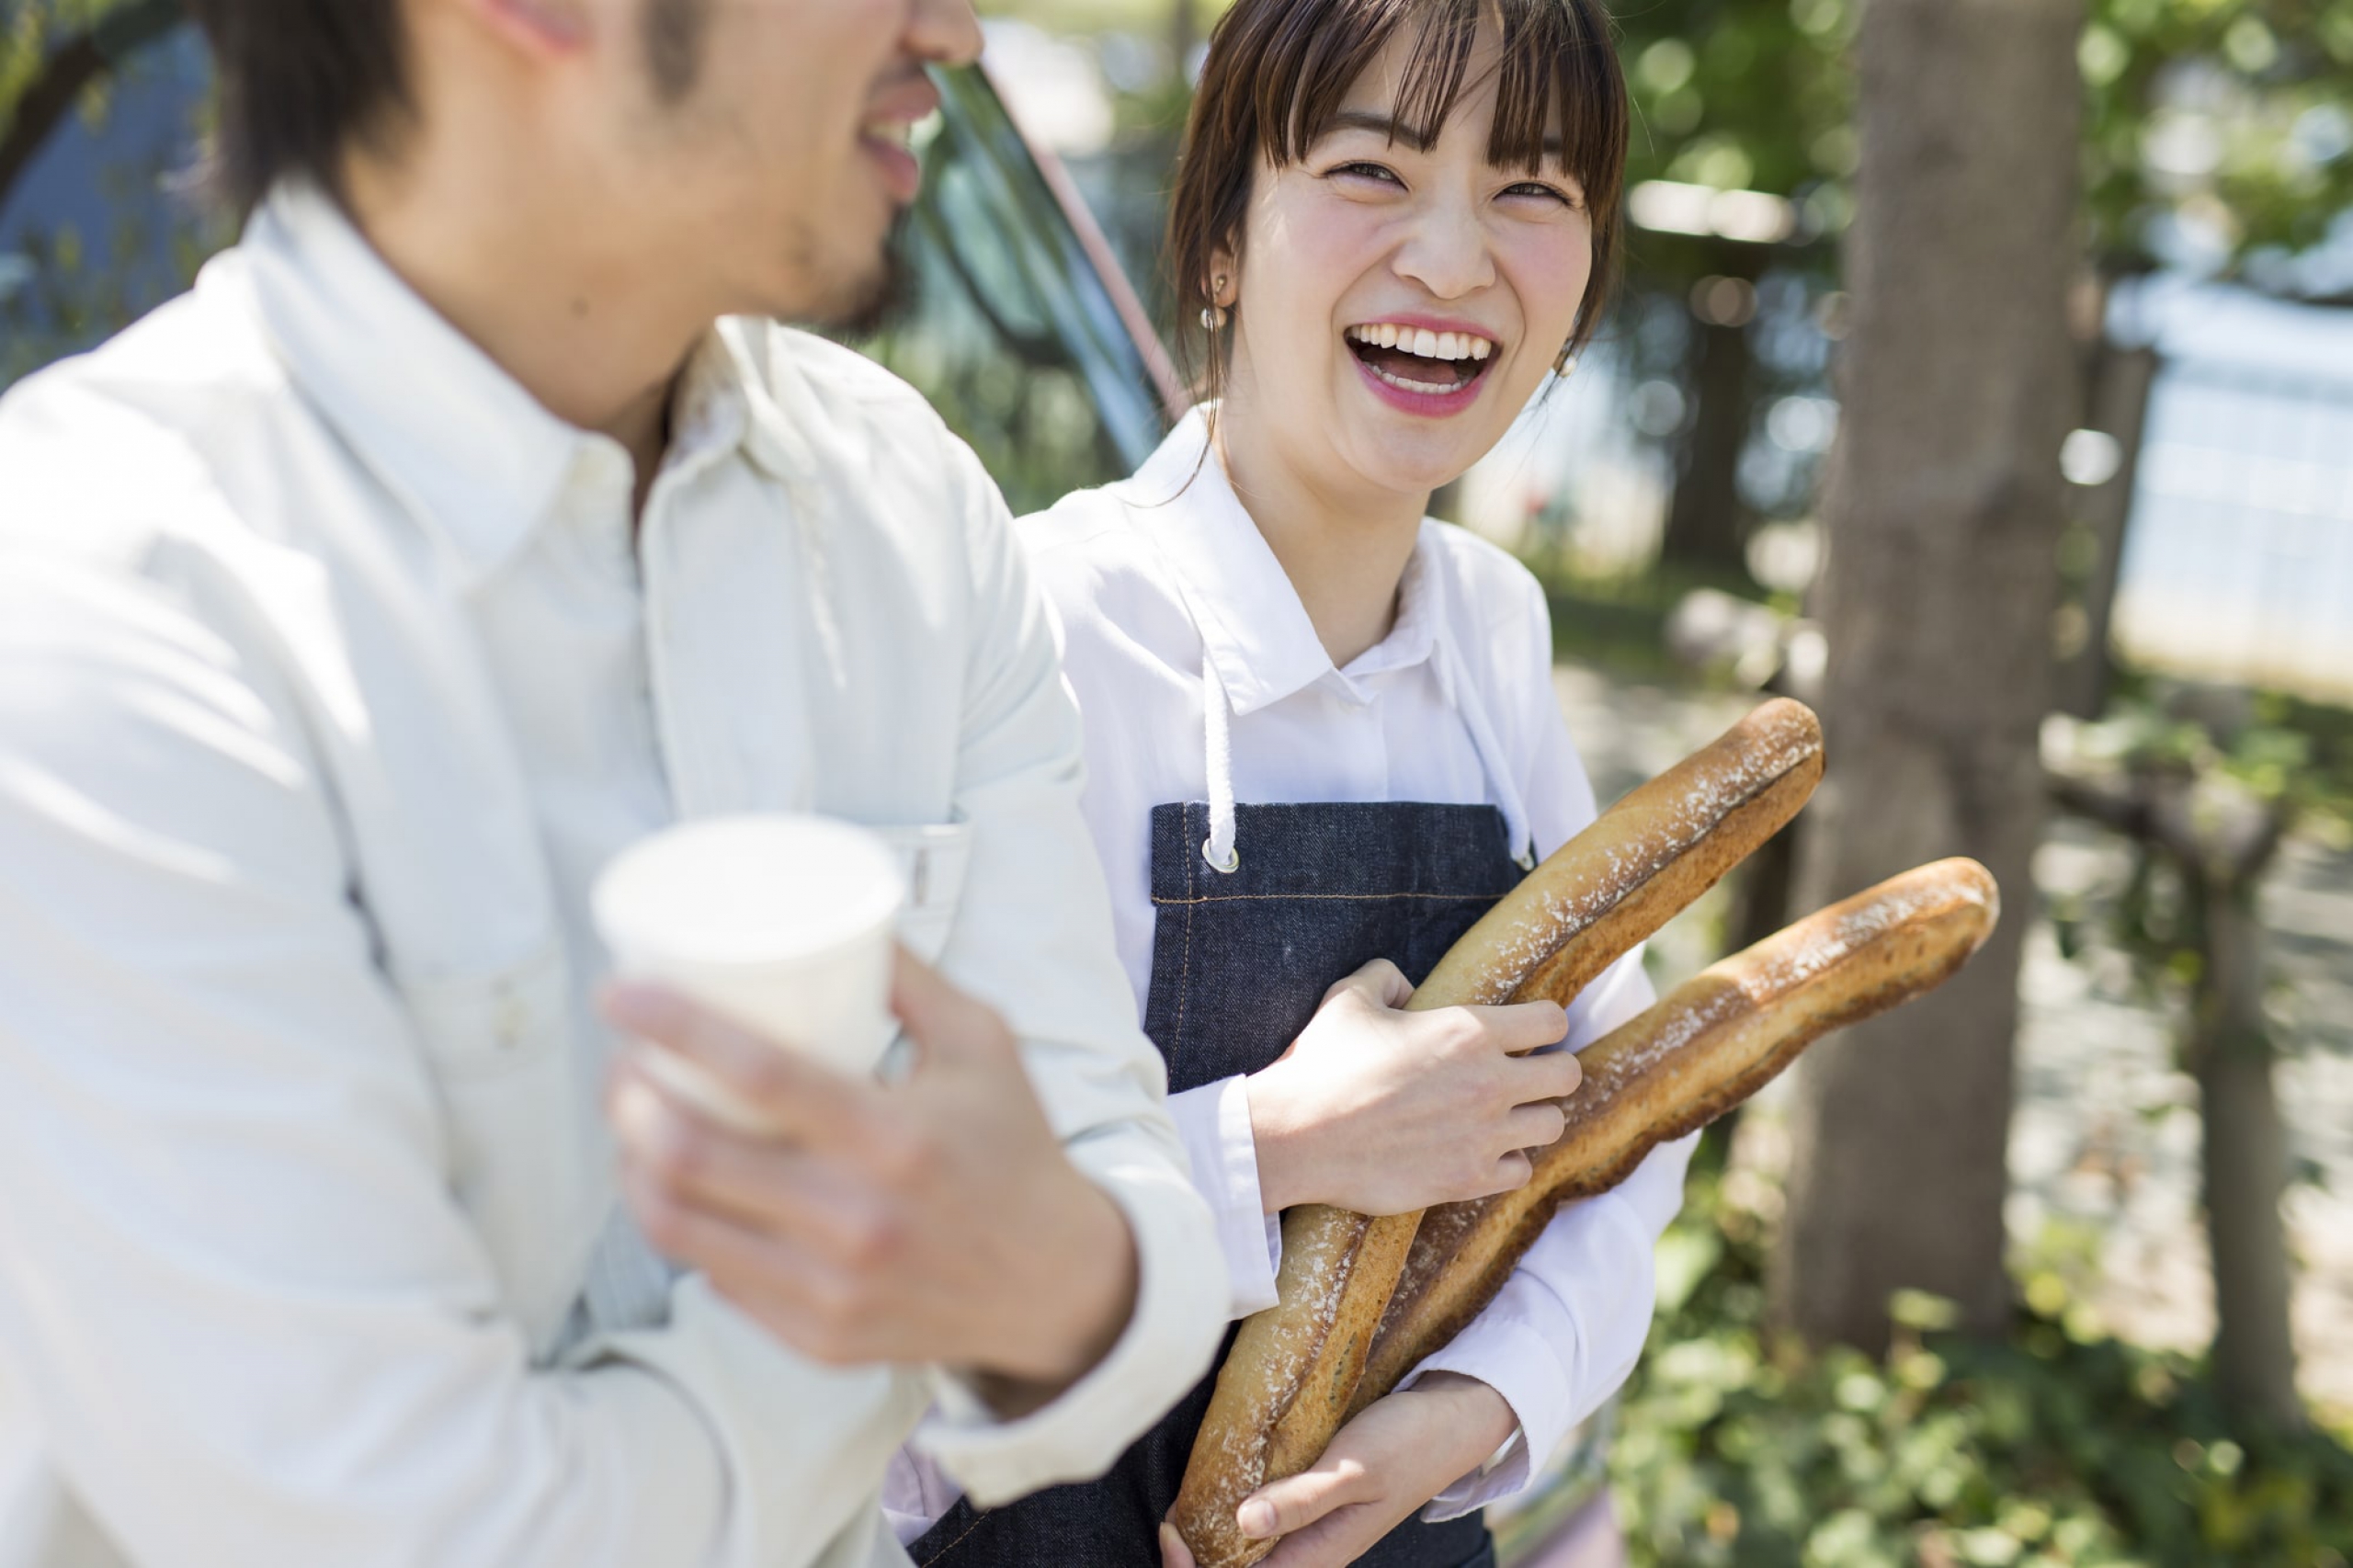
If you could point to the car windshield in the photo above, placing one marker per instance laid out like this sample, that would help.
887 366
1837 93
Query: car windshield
1018 329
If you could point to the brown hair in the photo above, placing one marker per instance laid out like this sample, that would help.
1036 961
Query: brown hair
1278 71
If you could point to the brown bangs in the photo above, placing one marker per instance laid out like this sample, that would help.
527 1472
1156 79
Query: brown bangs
1280 70
1552 72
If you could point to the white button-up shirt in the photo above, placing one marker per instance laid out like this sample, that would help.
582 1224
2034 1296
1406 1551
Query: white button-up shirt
1151 577
331 672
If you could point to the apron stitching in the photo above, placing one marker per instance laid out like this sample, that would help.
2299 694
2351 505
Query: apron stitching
1184 987
1324 897
978 1517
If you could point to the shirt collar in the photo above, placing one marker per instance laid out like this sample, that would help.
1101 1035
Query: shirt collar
437 421
1255 630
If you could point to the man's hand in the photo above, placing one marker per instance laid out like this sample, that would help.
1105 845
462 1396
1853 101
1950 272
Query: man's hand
933 1220
1381 1469
1383 1111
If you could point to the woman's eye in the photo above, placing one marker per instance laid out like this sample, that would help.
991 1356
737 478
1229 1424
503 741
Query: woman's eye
1367 171
1549 193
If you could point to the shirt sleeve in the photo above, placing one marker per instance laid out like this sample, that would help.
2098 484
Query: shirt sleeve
247 1313
1044 956
1214 1122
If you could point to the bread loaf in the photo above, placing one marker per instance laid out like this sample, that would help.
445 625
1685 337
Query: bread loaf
1294 1369
1713 1042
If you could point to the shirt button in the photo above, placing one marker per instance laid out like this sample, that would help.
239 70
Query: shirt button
513 1022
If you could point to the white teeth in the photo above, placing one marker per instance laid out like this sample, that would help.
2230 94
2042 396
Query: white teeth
1428 389
1418 341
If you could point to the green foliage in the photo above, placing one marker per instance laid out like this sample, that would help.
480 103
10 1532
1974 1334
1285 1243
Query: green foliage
2236 115
2053 1449
31 30
1741 94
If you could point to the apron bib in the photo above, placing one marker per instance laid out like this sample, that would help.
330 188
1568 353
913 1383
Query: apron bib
1240 960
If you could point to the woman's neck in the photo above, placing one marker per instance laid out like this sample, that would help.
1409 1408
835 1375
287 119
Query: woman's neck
1345 551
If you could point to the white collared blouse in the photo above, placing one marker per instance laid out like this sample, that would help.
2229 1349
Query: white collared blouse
331 672
1169 601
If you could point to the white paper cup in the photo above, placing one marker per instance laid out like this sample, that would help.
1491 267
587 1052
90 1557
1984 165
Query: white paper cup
783 924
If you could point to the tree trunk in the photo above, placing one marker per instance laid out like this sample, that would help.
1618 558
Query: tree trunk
1707 522
1943 508
2245 1154
69 69
2120 407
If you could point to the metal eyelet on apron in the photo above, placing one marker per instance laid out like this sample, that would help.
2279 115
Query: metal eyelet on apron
1231 864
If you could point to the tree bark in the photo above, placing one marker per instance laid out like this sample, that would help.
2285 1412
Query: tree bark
2245 1155
1943 507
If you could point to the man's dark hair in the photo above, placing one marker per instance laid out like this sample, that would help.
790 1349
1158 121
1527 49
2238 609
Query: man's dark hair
300 84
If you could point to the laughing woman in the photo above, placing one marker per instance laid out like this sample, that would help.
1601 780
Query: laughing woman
1321 734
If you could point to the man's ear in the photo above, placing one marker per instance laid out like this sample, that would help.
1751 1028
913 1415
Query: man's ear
542 27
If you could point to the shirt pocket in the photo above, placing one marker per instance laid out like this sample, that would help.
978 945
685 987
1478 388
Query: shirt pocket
519 1157
492 1022
933 857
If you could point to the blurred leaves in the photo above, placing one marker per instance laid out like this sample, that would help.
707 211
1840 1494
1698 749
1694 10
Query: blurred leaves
2222 126
2053 1449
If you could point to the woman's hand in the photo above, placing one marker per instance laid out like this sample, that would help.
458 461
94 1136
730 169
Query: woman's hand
1381 1468
1384 1111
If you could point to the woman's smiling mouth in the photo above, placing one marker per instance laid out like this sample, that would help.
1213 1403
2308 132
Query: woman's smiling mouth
1417 369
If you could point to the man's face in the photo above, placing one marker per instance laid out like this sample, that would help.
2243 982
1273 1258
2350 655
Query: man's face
761 144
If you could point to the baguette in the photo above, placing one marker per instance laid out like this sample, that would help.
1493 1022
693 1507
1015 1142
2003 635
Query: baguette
1294 1369
1715 1040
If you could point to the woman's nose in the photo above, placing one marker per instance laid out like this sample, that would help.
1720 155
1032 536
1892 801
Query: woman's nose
1446 252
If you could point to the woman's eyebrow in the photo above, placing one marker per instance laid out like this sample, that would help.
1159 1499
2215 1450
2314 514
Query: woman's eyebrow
1385 125
1396 130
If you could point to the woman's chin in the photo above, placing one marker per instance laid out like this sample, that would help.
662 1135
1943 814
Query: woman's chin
1391 461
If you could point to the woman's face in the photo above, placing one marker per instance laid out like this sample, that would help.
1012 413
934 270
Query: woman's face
1397 302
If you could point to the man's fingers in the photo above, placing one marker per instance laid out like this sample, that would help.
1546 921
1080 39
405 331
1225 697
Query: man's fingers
801 1098
945 1023
754 1182
801 1297
1173 1552
1295 1502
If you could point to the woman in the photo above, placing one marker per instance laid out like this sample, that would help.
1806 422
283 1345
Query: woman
1322 735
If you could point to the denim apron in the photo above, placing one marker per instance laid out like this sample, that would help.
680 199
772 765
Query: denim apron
1257 909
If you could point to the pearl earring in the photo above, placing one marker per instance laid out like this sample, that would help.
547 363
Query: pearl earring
1567 365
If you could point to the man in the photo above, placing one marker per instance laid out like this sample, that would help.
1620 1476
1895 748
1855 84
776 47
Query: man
461 527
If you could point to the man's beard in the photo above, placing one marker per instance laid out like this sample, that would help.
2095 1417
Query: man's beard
863 307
